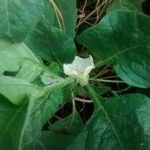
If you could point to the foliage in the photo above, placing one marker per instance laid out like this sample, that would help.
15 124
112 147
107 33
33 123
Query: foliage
37 38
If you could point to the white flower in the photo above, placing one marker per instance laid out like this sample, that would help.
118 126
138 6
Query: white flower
80 69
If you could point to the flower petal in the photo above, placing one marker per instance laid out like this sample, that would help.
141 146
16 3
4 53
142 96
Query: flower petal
80 69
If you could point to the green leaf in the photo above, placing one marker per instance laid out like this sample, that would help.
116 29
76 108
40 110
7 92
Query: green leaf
30 70
127 5
47 39
11 56
21 125
18 18
22 62
12 124
79 142
48 13
53 104
122 38
51 43
71 125
49 140
43 109
55 68
122 124
68 11
16 89
36 104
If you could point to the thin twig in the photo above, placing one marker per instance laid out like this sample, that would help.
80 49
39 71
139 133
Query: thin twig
83 100
107 81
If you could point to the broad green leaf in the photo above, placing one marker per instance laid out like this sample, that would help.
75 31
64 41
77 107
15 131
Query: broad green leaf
21 125
71 125
136 71
12 54
53 104
16 89
47 40
43 109
123 123
49 140
12 124
18 18
122 38
51 43
127 5
22 62
68 11
79 142
30 70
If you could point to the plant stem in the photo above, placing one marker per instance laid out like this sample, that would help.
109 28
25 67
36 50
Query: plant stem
83 100
107 81
59 15
73 103
96 100
73 109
